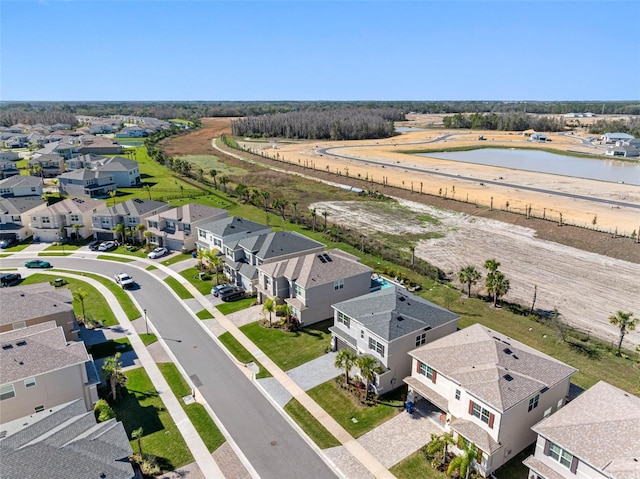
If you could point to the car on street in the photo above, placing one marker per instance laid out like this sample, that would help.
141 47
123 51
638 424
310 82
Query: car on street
107 246
124 280
158 253
216 289
94 245
37 263
7 242
231 294
9 279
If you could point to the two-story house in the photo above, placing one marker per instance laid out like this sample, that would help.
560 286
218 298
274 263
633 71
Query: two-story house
24 306
130 213
86 183
216 234
98 145
175 228
15 213
50 165
56 222
40 369
242 259
9 156
63 148
65 442
21 186
491 388
8 169
387 324
311 283
595 436
89 160
125 173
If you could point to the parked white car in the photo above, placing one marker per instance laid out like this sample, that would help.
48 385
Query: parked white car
107 246
158 253
124 280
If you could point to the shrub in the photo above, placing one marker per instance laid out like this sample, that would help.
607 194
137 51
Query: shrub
103 411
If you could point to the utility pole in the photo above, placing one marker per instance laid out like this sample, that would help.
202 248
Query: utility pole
145 320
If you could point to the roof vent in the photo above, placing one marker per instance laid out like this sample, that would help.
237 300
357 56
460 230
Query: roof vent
322 259
400 318
402 298
507 351
544 390
508 377
21 343
7 346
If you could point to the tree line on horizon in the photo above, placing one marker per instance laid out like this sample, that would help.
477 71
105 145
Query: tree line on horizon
514 121
330 124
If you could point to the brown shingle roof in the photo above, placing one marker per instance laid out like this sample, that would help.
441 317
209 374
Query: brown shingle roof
22 303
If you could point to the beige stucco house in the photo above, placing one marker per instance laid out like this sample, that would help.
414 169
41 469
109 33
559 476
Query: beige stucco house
313 282
490 388
596 436
27 305
40 369
46 223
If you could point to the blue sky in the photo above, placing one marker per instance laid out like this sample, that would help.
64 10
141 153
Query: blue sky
303 50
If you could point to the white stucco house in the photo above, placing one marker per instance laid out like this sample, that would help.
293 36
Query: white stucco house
226 232
47 223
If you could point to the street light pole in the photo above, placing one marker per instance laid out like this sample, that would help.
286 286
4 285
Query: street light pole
145 320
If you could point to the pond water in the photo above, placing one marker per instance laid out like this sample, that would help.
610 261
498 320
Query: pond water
540 161
406 129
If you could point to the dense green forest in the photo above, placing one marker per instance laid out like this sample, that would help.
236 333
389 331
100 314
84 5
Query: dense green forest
514 121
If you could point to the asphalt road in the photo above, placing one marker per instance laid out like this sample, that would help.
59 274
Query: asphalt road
269 442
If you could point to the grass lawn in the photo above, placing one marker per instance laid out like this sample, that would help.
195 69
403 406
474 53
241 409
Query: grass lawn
310 425
148 339
177 287
54 254
198 415
233 306
140 406
123 298
342 407
18 247
109 348
202 285
289 350
95 305
204 314
241 353
151 268
115 258
416 466
177 258
67 247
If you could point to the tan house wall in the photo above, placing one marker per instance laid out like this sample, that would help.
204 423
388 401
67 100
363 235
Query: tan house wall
584 470
65 319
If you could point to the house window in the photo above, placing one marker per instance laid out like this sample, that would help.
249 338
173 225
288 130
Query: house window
202 234
75 218
187 229
46 220
29 382
481 413
344 319
457 395
299 291
39 408
106 222
426 371
563 457
338 284
362 334
533 402
421 339
376 346
7 392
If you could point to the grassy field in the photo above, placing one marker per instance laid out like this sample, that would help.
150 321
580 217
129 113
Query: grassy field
192 275
204 314
178 288
109 348
95 306
310 425
140 406
343 408
207 429
233 306
148 339
123 298
291 349
241 354
177 258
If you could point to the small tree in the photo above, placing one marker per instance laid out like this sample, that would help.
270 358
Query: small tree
119 230
80 295
214 174
103 411
464 463
269 306
469 276
137 434
140 230
626 322
324 215
369 367
497 285
112 373
313 214
439 444
346 359
76 231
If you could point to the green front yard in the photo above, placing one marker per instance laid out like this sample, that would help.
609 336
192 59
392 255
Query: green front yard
233 306
241 354
310 425
193 276
140 406
289 350
178 288
109 348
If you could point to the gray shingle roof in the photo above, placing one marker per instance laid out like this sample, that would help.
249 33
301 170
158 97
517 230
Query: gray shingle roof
231 225
602 428
136 207
65 443
33 301
20 180
280 243
19 204
495 368
393 312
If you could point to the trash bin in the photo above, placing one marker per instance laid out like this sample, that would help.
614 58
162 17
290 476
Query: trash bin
409 407
58 282
194 254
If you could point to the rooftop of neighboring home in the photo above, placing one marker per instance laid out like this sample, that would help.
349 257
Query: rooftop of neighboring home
495 368
83 174
21 303
75 205
45 158
316 269
394 312
602 428
135 207
117 163
231 225
189 213
36 350
55 146
20 181
280 243
65 442
618 136
19 204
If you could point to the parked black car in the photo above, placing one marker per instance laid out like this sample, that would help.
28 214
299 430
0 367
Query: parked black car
93 246
7 242
9 279
231 294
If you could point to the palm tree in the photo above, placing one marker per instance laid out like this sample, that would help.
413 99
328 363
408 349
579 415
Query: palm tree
285 310
265 196
463 464
213 174
346 359
141 229
497 285
80 295
112 373
294 205
76 231
137 434
113 194
56 183
119 230
412 248
148 188
324 215
626 322
492 265
369 367
147 236
439 443
469 275
241 190
269 306
223 181
313 213
37 170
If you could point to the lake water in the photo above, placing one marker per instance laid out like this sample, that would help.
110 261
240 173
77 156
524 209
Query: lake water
406 129
540 161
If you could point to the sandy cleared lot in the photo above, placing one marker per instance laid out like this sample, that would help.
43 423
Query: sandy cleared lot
586 288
